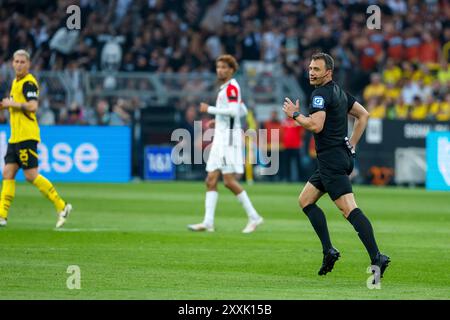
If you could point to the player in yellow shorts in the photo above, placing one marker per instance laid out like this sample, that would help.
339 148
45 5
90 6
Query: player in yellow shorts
22 145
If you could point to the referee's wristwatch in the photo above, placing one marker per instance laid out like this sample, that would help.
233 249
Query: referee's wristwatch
295 115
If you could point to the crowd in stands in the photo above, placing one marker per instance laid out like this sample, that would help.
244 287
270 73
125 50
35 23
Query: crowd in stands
104 114
400 70
409 92
116 115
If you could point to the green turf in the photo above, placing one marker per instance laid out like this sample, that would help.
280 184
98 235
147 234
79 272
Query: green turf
131 242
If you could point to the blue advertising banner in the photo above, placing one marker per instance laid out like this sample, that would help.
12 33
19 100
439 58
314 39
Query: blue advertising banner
80 153
438 161
158 163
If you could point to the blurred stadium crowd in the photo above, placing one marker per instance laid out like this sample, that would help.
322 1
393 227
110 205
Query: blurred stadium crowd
400 71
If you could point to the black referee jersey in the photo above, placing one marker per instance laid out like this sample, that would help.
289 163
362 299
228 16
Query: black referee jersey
335 161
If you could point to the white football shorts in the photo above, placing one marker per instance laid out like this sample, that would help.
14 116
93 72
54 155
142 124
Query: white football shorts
227 159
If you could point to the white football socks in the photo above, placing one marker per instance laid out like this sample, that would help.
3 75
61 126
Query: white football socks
210 207
247 204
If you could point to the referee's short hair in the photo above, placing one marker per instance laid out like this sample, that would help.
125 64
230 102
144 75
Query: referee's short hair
329 61
22 52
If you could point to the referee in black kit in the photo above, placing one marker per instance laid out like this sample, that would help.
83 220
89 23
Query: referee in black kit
327 119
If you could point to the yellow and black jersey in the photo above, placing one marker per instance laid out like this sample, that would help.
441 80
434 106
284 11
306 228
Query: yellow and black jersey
24 125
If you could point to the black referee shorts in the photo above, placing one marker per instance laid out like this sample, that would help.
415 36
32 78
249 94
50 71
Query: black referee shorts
23 153
332 175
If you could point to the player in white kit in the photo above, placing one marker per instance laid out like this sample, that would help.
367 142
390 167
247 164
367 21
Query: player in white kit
226 155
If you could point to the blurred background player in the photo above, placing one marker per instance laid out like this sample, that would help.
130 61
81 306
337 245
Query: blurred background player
25 136
226 152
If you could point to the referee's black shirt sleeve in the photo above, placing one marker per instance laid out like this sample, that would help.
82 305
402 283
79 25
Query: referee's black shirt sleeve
351 101
320 99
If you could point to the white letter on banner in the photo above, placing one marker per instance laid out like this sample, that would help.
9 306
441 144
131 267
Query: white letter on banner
61 152
86 158
44 163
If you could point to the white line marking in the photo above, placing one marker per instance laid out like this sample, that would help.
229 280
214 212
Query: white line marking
86 230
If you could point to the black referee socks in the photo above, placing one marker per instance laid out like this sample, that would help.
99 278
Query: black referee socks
319 223
365 231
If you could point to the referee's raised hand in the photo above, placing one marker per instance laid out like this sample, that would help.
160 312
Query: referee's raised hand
289 107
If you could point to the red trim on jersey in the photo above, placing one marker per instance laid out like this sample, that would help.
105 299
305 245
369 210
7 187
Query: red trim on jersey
232 93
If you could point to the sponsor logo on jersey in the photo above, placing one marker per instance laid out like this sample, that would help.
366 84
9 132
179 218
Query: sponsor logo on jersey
32 94
318 102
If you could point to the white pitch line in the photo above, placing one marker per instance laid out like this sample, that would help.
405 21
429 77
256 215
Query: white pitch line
85 230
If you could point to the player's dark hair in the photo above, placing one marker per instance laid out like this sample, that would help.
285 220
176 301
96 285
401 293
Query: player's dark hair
229 60
329 61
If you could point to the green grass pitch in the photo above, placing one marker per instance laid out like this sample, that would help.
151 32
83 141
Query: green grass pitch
131 242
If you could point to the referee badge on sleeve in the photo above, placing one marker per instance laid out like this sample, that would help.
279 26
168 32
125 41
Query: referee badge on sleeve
318 102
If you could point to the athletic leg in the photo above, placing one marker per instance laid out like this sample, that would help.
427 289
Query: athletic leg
254 219
8 190
347 204
28 157
307 201
310 194
211 198
47 189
